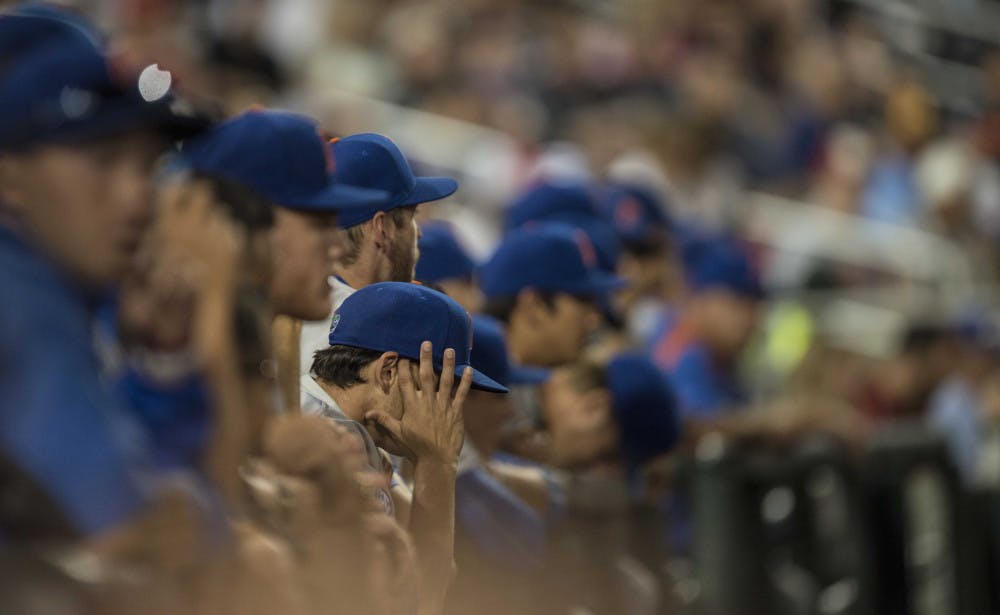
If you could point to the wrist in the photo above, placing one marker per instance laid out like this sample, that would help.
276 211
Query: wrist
437 466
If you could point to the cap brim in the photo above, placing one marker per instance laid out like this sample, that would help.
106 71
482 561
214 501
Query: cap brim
127 113
429 189
481 381
520 374
599 282
337 198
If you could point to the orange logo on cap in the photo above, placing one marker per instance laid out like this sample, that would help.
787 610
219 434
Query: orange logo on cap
327 153
629 212
587 253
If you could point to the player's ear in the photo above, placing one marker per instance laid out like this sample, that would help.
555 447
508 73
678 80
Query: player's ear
386 372
377 227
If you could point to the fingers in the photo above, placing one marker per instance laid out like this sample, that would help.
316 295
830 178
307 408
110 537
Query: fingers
406 384
447 374
387 422
463 389
426 367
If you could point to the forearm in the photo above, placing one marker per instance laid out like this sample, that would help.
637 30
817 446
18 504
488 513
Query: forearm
432 525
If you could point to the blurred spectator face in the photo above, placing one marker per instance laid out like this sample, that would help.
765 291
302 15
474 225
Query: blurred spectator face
305 245
485 415
730 320
86 205
552 335
910 114
578 416
465 291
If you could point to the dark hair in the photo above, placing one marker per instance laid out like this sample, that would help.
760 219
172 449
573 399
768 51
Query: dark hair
503 306
341 365
246 207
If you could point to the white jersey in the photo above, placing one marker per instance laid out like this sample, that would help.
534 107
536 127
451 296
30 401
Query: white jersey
314 400
315 334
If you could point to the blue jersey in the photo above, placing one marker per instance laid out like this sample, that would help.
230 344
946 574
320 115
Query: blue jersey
703 387
59 421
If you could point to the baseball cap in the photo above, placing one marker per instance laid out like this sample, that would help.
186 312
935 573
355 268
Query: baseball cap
399 317
489 354
441 255
551 200
636 214
720 262
571 203
373 161
282 156
548 257
58 84
644 408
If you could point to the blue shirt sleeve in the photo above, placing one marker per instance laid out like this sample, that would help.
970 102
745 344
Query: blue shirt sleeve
59 423
699 390
175 415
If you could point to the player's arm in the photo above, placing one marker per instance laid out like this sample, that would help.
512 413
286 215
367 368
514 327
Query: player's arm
431 432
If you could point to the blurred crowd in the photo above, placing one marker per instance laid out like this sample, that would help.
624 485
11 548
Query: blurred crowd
344 306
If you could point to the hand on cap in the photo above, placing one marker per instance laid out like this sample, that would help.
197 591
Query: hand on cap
431 428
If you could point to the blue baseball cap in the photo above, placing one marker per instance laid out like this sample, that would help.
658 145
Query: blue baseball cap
490 355
720 262
373 161
573 204
637 215
283 157
59 85
399 317
547 257
644 407
549 201
441 255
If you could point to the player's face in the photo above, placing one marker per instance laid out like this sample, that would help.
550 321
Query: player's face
578 422
485 415
733 318
403 250
304 244
87 205
562 330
